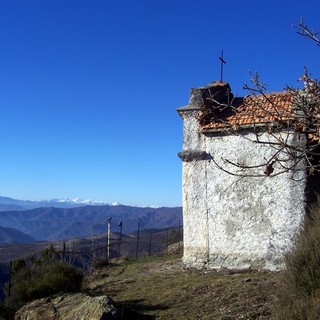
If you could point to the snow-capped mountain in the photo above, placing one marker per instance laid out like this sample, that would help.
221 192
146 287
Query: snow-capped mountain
76 201
7 204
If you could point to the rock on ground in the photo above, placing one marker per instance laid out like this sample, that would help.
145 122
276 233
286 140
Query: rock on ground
75 306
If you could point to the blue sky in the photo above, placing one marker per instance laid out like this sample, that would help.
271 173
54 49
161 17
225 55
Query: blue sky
89 88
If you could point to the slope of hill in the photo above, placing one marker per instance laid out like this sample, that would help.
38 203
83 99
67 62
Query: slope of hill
160 288
92 249
173 292
9 235
61 223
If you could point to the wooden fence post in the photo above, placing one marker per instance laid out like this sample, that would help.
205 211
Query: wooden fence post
179 238
150 244
119 240
108 241
137 247
10 279
167 241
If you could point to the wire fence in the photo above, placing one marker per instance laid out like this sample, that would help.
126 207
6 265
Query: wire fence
115 245
105 248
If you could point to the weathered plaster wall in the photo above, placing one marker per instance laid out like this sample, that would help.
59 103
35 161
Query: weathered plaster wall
195 214
231 221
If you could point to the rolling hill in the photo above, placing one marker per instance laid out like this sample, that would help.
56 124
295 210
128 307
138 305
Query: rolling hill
10 235
49 223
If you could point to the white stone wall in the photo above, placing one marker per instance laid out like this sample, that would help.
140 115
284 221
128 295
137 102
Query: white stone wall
237 221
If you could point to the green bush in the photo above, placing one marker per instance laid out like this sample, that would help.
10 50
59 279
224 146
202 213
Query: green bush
41 279
298 297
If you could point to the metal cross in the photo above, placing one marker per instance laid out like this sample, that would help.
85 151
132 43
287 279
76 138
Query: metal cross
221 68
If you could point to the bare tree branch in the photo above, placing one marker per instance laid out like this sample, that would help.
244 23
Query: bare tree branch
294 114
305 31
288 123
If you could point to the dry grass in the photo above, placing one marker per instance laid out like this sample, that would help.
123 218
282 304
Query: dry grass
298 296
159 286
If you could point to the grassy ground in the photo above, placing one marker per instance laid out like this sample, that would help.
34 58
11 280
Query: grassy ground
161 287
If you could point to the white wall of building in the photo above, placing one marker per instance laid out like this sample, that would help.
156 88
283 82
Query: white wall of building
237 221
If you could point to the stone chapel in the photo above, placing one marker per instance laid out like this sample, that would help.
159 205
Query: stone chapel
231 219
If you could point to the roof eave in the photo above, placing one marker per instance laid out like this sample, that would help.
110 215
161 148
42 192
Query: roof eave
229 129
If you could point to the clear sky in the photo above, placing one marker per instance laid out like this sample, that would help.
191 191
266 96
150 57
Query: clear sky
89 88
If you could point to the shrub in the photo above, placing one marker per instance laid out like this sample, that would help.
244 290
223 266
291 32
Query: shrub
298 296
34 281
4 313
99 264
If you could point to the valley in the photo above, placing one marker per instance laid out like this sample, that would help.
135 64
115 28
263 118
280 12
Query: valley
79 233
51 224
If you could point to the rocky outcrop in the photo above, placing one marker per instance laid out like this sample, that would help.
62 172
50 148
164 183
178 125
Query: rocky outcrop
70 307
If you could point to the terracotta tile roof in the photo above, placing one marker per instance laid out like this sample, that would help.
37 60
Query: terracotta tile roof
255 111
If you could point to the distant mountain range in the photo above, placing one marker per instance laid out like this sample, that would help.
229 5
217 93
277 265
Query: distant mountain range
8 204
74 220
